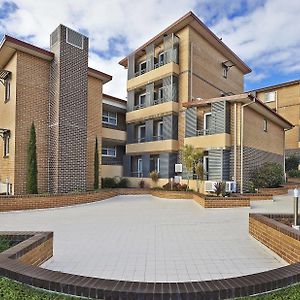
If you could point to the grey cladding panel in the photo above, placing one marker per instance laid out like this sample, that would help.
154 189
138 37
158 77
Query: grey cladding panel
127 165
149 94
131 66
150 57
149 130
130 100
218 110
215 157
130 133
190 122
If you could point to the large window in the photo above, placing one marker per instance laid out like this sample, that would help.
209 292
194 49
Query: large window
143 66
109 151
154 163
141 133
109 117
6 145
139 167
270 97
207 123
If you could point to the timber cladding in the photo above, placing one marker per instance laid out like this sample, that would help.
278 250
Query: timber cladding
280 238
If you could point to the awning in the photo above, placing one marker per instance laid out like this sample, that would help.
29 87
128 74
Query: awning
4 132
4 74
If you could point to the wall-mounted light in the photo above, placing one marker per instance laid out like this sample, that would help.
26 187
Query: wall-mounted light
226 66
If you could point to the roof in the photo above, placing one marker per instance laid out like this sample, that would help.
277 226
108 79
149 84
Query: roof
279 85
114 98
10 44
191 19
245 97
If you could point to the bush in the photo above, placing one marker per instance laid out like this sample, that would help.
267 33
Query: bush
294 173
114 182
4 244
176 187
220 188
142 184
291 163
269 175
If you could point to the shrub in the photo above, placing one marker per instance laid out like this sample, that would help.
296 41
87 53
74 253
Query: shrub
123 183
251 187
154 176
220 188
268 175
4 244
294 173
109 182
176 187
291 163
142 184
32 170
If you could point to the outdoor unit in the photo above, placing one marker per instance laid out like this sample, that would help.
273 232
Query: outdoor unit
209 186
230 186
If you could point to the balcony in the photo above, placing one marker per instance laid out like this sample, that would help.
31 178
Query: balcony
118 136
157 110
206 140
153 75
152 147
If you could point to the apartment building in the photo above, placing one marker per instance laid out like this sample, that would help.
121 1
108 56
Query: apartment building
186 65
284 98
113 135
63 97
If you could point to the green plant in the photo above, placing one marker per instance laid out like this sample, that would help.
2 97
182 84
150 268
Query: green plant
268 175
220 188
32 171
123 183
190 157
199 170
142 184
96 166
291 163
4 244
294 173
109 182
251 187
154 176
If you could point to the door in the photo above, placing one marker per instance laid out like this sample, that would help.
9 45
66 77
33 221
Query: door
140 167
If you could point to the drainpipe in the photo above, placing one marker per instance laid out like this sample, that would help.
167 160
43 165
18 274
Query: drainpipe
285 177
242 138
235 142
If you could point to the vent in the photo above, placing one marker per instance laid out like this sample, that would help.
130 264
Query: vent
74 38
54 37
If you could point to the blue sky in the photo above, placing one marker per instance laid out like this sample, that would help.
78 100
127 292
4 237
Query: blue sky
264 33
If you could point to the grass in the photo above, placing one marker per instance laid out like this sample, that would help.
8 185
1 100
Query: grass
11 290
4 244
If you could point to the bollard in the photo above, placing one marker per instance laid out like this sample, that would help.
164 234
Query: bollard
296 198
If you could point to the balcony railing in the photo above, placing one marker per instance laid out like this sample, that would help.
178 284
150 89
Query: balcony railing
137 174
158 101
204 131
139 106
158 138
140 140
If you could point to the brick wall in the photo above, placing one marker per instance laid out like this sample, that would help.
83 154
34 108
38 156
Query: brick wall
280 238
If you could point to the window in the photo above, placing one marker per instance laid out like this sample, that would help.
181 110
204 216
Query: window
141 133
154 163
143 66
109 117
6 145
142 100
7 89
161 59
109 151
270 97
205 167
161 93
265 125
160 127
140 167
207 123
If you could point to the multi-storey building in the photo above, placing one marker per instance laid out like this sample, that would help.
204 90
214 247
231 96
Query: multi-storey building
284 98
113 136
175 70
62 96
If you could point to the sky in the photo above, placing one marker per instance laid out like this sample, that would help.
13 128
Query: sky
263 33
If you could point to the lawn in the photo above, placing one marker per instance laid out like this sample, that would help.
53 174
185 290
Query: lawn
11 290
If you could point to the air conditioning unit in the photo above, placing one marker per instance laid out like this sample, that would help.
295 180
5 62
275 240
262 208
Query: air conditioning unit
230 186
209 186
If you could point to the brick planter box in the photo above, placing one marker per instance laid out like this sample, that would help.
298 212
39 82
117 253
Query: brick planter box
21 263
280 238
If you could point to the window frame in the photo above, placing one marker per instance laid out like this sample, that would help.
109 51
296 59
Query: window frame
7 89
6 146
265 125
268 93
139 133
109 118
107 148
142 71
139 166
205 122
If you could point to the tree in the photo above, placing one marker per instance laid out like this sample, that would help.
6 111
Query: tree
199 170
32 171
291 163
96 166
154 176
190 157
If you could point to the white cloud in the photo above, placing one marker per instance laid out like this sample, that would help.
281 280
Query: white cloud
268 37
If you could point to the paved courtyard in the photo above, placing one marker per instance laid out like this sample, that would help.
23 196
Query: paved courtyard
144 238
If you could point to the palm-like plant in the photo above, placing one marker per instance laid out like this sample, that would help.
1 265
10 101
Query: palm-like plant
154 176
190 158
